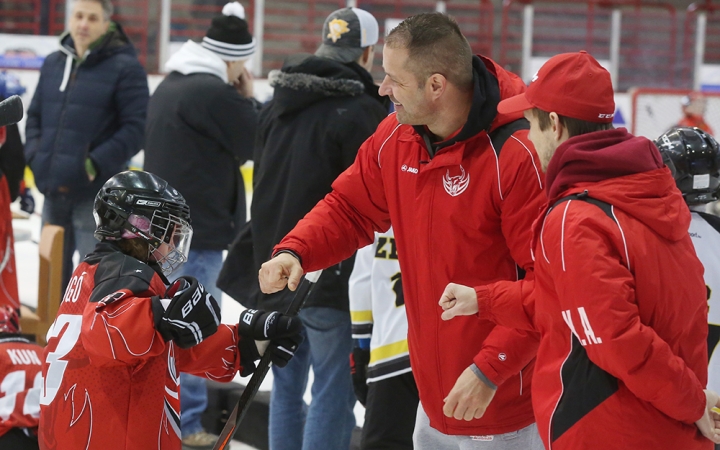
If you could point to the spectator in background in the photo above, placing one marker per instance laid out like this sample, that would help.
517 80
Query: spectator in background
200 130
381 372
85 121
693 107
323 109
21 381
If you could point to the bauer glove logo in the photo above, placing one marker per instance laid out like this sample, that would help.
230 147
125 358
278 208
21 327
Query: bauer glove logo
247 317
192 301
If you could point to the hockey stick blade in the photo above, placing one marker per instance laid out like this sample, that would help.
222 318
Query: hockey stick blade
241 408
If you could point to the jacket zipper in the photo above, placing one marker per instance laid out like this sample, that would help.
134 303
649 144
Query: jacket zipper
68 91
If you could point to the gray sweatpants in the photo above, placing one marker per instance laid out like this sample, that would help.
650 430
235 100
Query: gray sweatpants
426 437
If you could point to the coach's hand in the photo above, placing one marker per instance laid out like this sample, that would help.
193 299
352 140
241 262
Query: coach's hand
469 398
458 300
283 270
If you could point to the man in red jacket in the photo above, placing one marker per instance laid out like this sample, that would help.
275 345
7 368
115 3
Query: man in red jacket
618 295
461 185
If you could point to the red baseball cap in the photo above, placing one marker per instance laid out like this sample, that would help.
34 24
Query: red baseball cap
570 84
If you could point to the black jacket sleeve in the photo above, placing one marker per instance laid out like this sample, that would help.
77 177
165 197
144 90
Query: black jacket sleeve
236 120
12 160
355 127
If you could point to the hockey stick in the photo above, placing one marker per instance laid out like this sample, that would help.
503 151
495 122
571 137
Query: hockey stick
228 431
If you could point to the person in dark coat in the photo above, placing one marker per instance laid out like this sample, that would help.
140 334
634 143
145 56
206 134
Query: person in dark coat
324 107
86 120
200 129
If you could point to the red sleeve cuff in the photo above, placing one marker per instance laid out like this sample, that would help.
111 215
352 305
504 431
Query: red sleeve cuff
483 301
490 373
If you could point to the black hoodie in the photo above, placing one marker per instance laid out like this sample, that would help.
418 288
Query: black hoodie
308 134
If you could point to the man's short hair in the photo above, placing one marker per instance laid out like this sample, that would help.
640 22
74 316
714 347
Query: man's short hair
435 45
107 7
575 127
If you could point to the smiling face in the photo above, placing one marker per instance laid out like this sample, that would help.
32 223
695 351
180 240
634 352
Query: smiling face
87 23
411 99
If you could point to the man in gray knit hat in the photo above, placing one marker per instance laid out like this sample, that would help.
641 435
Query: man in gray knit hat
200 129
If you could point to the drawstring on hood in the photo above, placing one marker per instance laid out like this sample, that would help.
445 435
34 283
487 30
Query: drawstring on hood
193 58
66 73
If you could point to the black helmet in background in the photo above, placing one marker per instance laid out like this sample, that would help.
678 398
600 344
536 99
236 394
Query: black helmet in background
693 157
136 204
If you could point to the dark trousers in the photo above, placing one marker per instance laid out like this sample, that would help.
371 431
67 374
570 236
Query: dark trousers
390 413
16 439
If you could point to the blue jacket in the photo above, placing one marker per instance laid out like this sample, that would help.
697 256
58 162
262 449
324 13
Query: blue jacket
86 108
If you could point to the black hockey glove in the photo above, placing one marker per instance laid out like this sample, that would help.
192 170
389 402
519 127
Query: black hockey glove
283 332
359 360
191 316
27 201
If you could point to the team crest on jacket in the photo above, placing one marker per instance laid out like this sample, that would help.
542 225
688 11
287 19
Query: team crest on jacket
456 185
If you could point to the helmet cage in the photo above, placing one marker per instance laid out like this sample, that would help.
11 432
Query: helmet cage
170 233
173 235
9 321
693 157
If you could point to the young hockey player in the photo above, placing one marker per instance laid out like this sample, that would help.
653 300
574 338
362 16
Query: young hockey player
380 361
20 381
694 158
124 333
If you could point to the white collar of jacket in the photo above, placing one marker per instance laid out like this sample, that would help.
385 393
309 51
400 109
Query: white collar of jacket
193 58
70 55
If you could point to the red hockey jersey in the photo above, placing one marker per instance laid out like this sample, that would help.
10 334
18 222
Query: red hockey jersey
111 381
20 381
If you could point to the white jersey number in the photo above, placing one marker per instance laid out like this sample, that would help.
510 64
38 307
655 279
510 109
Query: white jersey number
12 385
56 366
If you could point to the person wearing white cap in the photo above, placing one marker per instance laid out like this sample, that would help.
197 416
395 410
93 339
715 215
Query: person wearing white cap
200 128
324 107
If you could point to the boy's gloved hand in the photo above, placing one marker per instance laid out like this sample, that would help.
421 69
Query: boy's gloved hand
191 315
27 201
283 332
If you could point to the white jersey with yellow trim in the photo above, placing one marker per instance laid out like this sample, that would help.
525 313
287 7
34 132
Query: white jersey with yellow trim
705 234
377 307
